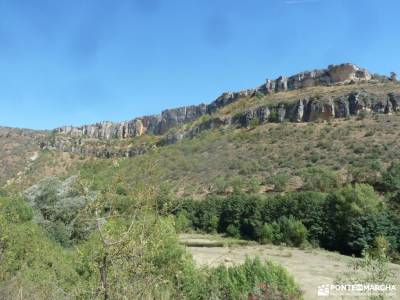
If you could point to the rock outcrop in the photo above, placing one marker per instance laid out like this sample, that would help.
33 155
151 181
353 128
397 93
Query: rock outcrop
156 124
334 74
320 109
303 110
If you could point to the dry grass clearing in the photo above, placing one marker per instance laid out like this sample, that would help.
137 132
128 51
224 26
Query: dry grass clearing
310 268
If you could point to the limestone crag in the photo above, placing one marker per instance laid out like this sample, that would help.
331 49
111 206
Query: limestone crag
156 124
171 118
334 74
320 109
94 148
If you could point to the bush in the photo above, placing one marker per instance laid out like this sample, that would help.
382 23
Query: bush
293 232
182 222
342 208
15 210
345 220
303 206
287 230
56 205
29 259
267 234
231 211
233 231
206 214
251 279
374 268
394 201
320 179
279 181
251 217
391 178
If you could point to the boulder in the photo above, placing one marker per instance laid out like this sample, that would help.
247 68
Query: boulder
297 112
320 109
359 101
263 113
281 113
395 100
342 109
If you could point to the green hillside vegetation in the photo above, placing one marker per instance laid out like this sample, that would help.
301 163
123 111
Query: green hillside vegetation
268 158
77 226
128 256
18 147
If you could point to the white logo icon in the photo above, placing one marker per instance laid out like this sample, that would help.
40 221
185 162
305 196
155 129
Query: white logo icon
323 290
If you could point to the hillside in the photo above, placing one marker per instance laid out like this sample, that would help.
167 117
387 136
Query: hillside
298 164
341 122
19 148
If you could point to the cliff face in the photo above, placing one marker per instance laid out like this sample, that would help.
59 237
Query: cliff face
316 108
334 74
305 110
157 124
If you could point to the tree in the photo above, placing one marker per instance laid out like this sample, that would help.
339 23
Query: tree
342 207
391 178
373 268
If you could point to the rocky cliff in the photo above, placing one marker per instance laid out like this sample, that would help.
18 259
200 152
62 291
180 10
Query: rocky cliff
321 108
170 118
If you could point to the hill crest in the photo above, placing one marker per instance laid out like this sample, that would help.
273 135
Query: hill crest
160 124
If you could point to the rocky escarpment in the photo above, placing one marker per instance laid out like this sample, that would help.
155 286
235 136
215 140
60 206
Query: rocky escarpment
156 124
315 108
320 108
170 118
333 75
86 147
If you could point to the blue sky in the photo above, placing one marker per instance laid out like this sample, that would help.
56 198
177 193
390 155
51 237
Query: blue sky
82 61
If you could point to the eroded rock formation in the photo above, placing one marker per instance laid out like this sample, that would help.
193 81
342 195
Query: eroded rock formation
303 110
320 109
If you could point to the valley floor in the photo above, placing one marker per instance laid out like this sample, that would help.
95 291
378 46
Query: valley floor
310 268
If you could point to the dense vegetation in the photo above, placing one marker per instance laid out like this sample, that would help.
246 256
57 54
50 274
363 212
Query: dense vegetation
345 219
83 227
130 254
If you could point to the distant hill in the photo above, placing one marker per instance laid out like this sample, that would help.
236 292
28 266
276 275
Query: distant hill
341 122
19 147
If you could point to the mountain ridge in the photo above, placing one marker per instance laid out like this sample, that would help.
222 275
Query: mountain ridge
340 91
346 73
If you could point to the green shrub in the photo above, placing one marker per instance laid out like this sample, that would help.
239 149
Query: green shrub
251 279
56 205
267 234
182 222
250 223
306 207
342 208
279 181
293 232
345 220
315 157
30 261
15 210
319 179
231 211
391 178
374 268
233 231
